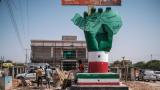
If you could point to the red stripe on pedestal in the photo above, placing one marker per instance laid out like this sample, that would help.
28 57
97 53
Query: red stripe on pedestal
98 83
98 67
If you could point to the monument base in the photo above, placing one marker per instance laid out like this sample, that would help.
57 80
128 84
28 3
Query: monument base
98 87
98 79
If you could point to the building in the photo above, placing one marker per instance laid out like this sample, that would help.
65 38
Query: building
63 52
125 69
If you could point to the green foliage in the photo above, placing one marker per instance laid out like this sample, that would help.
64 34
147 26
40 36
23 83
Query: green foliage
18 64
8 61
153 65
140 64
122 63
1 61
116 64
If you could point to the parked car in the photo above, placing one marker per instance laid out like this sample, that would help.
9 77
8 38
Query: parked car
157 73
31 75
149 75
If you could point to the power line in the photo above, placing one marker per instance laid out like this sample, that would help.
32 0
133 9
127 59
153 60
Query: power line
22 16
11 14
27 16
27 19
13 4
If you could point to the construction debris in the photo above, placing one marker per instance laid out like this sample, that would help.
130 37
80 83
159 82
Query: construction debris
64 78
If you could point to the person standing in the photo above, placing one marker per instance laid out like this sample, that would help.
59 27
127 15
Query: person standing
81 66
49 76
39 76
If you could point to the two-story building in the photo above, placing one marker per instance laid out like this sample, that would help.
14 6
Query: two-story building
64 53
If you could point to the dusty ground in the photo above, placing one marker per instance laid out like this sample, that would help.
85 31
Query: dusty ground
140 85
32 86
133 85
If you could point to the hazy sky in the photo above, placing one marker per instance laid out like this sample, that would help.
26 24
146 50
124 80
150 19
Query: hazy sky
49 20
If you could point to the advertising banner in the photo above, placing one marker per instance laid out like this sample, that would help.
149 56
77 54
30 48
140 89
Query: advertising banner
92 2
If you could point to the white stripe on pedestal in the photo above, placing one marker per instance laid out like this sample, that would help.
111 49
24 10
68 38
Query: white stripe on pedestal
98 56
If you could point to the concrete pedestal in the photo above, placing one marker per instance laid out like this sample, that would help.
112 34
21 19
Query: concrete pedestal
98 79
95 87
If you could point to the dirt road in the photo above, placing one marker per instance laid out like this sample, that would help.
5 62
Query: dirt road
140 85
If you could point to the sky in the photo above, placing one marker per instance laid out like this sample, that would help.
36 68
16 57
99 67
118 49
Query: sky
137 40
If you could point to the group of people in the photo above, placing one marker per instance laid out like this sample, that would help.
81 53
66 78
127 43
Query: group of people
49 74
40 76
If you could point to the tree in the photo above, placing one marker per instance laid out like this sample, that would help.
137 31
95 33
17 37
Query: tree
153 65
1 61
8 61
116 64
140 64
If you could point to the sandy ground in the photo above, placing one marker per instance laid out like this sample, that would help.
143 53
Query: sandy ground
140 85
133 85
32 86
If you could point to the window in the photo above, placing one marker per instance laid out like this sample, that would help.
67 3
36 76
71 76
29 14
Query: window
70 54
68 65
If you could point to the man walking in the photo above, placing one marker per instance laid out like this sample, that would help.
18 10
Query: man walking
39 76
49 74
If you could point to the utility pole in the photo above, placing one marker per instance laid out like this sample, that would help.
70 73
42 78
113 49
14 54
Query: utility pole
26 60
151 56
26 57
125 68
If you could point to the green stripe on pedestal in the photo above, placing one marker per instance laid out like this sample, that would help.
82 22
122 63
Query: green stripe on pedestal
97 80
98 75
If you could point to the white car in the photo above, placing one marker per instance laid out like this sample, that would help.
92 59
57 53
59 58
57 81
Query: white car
149 76
157 73
29 75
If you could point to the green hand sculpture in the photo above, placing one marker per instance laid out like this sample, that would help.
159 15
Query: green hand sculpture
99 28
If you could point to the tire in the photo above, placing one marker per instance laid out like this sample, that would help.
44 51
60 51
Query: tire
147 80
20 77
24 83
